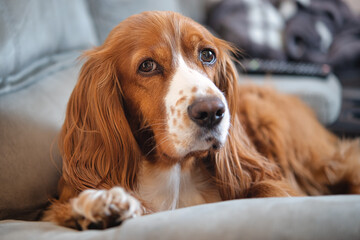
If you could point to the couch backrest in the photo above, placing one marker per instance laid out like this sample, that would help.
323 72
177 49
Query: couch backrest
31 32
107 14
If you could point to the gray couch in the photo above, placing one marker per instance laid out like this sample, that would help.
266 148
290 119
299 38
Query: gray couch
40 41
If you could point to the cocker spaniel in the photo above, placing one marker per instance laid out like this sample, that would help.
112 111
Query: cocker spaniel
158 121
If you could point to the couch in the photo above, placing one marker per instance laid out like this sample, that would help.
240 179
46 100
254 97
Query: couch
40 42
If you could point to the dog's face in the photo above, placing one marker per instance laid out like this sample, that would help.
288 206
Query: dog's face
167 65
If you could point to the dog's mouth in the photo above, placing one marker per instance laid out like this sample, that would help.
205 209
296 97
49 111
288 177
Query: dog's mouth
215 144
199 146
214 147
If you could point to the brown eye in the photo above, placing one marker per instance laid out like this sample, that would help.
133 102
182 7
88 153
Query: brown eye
207 56
147 66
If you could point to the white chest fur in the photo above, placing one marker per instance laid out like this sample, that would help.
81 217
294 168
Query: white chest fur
167 189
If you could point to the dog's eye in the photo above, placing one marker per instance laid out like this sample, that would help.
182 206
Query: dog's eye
148 66
207 56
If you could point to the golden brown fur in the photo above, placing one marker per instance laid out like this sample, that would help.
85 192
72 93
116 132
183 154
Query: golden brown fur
275 146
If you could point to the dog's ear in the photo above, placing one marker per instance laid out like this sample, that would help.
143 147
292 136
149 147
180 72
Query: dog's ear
96 142
238 164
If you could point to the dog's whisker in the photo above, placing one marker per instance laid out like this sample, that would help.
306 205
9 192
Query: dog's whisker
157 145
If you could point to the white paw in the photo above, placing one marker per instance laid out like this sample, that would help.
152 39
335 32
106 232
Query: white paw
104 208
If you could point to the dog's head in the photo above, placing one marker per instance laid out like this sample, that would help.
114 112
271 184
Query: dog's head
167 68
161 85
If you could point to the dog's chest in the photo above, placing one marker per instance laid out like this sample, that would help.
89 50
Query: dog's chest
175 188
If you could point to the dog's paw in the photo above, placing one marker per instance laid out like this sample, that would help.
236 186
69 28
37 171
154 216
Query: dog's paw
98 209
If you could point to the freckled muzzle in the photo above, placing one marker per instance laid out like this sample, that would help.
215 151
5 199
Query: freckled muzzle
197 112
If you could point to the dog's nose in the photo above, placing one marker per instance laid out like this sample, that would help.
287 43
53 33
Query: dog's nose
207 112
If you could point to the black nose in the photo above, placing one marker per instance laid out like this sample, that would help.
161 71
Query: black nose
207 112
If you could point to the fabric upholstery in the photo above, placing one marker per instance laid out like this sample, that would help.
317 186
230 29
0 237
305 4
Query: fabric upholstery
29 123
109 13
33 32
332 217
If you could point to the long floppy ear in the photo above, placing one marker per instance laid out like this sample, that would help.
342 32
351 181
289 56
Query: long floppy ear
97 145
238 165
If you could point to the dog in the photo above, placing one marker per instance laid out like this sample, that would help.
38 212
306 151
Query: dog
158 121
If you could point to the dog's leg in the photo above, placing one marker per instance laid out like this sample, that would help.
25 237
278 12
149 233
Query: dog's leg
271 188
344 172
95 209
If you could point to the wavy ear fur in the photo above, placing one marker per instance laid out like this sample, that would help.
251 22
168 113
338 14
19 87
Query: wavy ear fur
97 145
238 166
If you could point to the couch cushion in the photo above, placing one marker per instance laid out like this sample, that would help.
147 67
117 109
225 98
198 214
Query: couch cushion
29 123
31 32
109 13
332 217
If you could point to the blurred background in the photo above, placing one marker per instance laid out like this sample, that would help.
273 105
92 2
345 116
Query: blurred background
300 41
